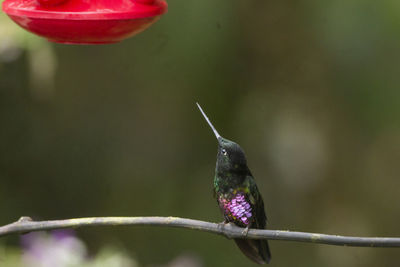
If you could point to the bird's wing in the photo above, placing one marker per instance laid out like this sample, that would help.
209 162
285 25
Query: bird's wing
257 202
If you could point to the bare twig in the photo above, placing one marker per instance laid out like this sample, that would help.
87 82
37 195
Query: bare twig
26 224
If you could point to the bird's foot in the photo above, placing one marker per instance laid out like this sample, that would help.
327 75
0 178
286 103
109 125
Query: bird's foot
224 228
223 224
245 231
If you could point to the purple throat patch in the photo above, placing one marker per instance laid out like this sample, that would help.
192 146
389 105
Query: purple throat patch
238 208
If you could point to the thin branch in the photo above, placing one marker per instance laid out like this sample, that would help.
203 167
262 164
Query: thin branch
26 224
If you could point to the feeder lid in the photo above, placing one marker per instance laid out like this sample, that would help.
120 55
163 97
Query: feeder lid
85 9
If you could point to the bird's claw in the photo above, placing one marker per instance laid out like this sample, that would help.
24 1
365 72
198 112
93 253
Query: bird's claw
245 231
223 226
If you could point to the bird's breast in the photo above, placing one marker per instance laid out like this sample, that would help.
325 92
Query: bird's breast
236 207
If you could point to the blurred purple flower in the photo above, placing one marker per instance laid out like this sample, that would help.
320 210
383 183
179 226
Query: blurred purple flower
59 248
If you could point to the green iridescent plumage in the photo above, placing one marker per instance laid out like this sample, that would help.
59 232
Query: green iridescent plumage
238 196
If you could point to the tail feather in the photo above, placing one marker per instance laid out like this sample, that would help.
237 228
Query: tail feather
256 250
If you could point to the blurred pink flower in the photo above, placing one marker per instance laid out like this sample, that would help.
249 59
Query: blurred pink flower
59 248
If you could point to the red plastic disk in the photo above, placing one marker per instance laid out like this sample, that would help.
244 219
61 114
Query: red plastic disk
85 21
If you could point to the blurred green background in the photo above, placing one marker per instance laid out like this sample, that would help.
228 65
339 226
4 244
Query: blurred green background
309 89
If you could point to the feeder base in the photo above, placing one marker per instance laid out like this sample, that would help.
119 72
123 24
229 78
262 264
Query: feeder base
84 31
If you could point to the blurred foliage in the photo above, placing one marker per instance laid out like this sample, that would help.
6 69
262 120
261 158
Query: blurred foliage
308 88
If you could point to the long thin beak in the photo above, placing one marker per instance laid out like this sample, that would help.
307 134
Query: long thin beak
209 123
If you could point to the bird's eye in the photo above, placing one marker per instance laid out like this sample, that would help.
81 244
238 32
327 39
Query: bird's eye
224 151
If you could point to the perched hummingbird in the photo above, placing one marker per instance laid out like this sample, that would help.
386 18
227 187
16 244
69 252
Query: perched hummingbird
238 197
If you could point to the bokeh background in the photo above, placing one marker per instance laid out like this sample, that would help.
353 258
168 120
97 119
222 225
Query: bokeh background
310 89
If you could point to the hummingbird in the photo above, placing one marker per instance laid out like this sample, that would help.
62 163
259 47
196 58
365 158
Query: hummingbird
238 197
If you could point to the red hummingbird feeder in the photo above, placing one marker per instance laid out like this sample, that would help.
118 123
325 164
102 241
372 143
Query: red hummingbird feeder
85 21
